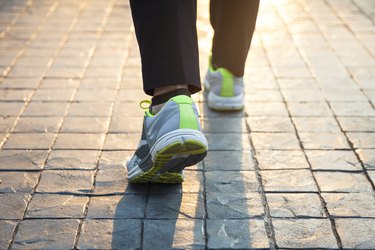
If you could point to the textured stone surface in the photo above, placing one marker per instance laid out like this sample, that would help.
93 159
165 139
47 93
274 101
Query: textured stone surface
30 141
275 141
224 125
6 230
121 141
323 140
72 159
228 141
231 181
304 233
236 234
176 234
342 182
288 180
351 204
316 124
52 206
356 233
234 205
367 157
362 140
333 160
14 182
85 125
295 205
12 206
22 159
38 124
193 183
280 159
113 234
270 124
37 234
79 141
228 160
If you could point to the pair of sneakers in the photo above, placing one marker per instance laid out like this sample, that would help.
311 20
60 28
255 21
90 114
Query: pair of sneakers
173 139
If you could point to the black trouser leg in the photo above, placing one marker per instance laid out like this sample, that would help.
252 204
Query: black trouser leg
234 24
167 38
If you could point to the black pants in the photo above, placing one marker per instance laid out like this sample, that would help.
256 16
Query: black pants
167 38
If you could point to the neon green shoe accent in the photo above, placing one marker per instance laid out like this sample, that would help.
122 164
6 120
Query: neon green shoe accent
187 116
227 86
210 66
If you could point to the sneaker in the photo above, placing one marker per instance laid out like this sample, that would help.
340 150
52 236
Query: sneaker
225 91
171 140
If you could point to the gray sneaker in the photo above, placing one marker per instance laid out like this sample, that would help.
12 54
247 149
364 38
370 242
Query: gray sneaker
225 91
171 140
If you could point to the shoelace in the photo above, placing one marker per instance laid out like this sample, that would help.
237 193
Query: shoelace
143 103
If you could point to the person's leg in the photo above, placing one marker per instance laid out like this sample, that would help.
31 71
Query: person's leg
167 38
233 22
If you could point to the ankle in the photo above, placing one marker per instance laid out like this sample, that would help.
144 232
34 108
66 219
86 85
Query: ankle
158 101
166 89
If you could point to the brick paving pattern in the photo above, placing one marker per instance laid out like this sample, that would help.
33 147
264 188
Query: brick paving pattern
296 169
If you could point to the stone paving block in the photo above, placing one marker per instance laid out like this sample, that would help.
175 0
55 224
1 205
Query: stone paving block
266 109
309 109
66 181
30 141
10 108
96 109
285 141
6 123
357 124
117 207
120 124
72 159
270 124
263 95
38 124
85 125
234 205
333 160
121 141
228 160
362 140
173 234
350 204
367 156
231 181
295 205
22 159
342 182
352 109
14 182
15 95
236 234
288 181
205 111
59 83
124 109
323 140
302 95
172 206
41 233
356 233
281 159
193 183
98 83
224 125
53 95
131 95
45 109
13 205
304 233
79 141
372 175
228 141
56 206
316 124
113 234
6 231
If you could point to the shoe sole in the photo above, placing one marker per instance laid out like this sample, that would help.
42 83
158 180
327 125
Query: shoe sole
172 158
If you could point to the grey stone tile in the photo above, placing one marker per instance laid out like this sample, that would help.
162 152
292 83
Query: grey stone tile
263 95
309 109
56 206
367 156
205 111
117 207
79 141
302 95
38 124
352 109
316 124
45 109
15 94
228 141
342 182
238 205
6 123
87 109
94 95
356 233
295 205
372 175
10 108
85 125
120 124
362 140
6 231
53 95
275 141
59 83
228 160
235 234
350 204
224 125
193 183
333 160
266 109
14 182
304 233
121 141
231 181
283 159
72 159
30 141
288 181
323 141
173 234
172 206
22 159
270 124
113 234
357 124
66 181
37 234
131 95
12 206
127 109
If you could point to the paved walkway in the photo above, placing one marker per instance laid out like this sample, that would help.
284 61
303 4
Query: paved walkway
296 169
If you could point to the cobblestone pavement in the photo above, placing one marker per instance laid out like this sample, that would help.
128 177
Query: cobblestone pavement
296 169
